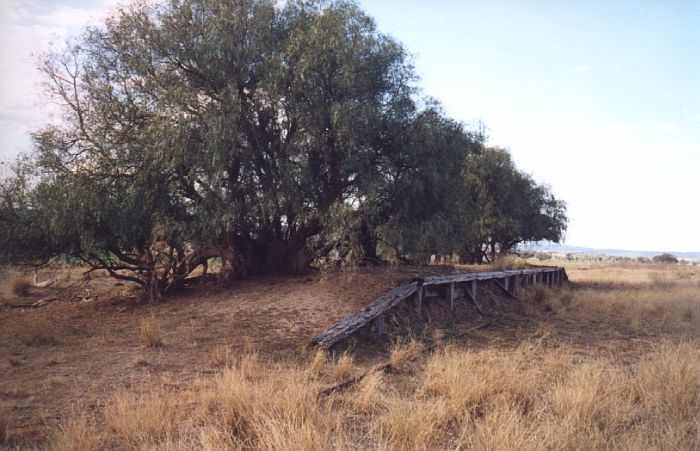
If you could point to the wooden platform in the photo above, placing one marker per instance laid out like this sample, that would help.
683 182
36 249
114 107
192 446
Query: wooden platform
451 287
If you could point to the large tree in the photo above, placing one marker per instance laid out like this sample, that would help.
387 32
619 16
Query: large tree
504 206
268 134
196 128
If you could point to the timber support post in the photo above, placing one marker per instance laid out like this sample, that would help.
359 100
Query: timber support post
470 288
451 294
419 300
380 325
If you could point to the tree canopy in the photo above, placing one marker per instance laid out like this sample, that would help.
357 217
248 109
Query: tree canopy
269 135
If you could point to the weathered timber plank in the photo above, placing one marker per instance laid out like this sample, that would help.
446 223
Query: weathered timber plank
351 324
373 311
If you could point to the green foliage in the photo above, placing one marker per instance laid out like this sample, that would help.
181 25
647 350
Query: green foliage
505 206
665 258
269 136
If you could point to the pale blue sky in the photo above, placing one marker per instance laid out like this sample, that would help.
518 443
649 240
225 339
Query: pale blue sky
600 99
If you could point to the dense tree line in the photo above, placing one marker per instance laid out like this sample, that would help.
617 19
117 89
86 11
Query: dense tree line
274 137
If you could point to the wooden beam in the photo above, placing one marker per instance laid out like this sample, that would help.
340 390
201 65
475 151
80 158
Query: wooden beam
351 324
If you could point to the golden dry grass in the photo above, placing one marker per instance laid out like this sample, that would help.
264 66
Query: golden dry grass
404 355
150 332
221 356
629 381
77 433
343 367
503 262
461 399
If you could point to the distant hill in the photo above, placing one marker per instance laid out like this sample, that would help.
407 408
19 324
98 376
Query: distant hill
565 249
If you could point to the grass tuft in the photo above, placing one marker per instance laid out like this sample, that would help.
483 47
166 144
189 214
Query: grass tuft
150 333
221 356
142 422
319 363
343 368
78 433
404 355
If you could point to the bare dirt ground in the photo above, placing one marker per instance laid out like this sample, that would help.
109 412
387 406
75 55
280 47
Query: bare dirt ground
85 344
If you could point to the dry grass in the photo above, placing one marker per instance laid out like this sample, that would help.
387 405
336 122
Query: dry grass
142 422
552 387
20 286
150 333
221 356
639 300
343 367
503 262
77 433
526 397
319 363
404 355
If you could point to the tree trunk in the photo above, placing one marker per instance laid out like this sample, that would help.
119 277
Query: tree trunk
368 243
257 257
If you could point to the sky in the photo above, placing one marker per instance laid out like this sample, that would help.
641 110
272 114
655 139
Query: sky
600 99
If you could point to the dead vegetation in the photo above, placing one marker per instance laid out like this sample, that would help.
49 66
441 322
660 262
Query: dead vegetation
150 332
611 362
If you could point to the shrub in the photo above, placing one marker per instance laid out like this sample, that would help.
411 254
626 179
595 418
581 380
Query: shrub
665 259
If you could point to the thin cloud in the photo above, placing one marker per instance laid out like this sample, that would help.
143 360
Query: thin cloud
27 29
582 68
669 127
